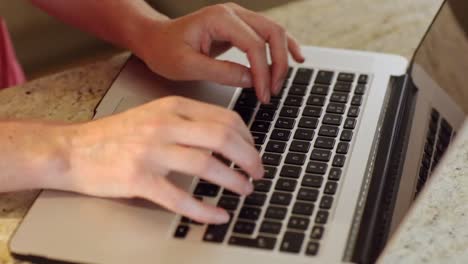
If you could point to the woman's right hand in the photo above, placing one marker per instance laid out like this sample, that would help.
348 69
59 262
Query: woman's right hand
131 153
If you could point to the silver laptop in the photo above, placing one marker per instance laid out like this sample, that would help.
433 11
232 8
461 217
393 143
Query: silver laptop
347 147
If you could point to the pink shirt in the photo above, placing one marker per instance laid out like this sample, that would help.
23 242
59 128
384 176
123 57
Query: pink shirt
11 73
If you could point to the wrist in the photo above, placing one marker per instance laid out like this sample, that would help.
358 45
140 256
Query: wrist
143 28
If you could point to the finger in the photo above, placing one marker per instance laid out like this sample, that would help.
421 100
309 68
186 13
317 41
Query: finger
276 37
223 72
201 163
236 31
222 140
164 193
295 49
199 111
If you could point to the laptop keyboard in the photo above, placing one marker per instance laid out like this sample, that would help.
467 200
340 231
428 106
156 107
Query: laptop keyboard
304 136
439 134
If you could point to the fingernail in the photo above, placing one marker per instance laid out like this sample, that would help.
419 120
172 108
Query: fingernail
248 188
246 79
266 96
223 217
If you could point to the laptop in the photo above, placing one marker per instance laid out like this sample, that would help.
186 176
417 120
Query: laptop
347 147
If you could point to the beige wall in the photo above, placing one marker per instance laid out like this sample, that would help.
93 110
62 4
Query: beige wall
44 44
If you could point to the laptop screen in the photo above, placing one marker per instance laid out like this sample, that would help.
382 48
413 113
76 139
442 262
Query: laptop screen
443 53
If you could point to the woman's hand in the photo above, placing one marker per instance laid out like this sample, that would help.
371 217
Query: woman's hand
130 155
183 48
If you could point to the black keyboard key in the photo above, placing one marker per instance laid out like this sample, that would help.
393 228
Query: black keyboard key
181 231
292 242
335 174
299 223
277 213
245 113
308 122
317 232
206 189
250 213
357 100
243 227
346 135
293 101
299 146
228 203
259 148
328 131
353 111
280 134
360 89
304 134
324 77
446 128
288 111
215 233
259 138
331 187
336 108
428 148
312 248
287 123
326 202
275 146
314 181
339 97
255 198
260 126
281 198
299 90
332 119
270 172
312 111
229 193
262 185
290 171
261 242
363 78
273 105
316 100
265 115
295 158
271 159
270 227
342 148
246 100
346 77
301 208
325 143
317 167
303 76
286 185
342 87
321 217
306 194
320 155
339 160
350 123
319 89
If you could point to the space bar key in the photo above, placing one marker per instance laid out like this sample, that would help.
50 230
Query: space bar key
260 242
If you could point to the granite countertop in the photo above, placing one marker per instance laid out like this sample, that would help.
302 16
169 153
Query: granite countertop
434 230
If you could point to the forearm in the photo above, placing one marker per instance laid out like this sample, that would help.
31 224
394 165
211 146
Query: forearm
121 22
32 154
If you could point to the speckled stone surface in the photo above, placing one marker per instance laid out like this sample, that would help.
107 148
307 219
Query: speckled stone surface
435 229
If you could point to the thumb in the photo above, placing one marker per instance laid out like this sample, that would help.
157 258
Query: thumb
223 72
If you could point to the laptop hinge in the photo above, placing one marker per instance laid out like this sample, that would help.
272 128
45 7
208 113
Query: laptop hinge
385 172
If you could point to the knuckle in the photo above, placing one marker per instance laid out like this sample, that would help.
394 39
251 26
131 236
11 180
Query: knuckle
278 29
224 136
221 9
233 119
173 102
204 163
